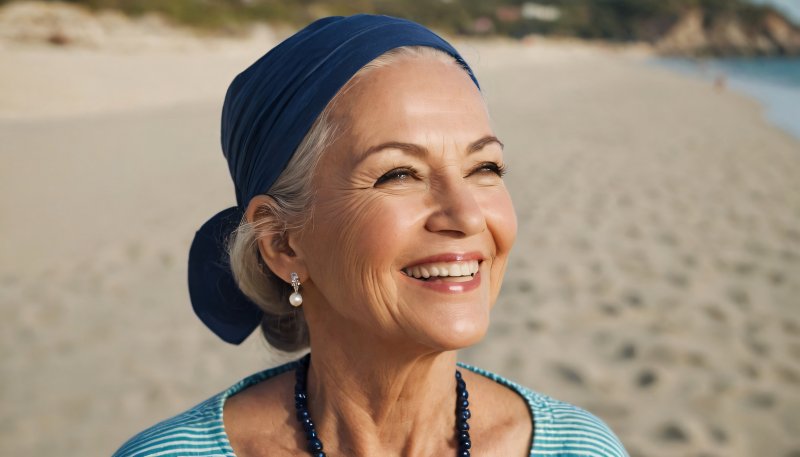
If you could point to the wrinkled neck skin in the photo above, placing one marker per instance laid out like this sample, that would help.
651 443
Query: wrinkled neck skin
370 398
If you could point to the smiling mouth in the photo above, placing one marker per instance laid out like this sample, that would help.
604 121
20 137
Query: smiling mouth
459 271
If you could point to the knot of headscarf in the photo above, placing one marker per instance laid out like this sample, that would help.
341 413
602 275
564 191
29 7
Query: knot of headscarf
268 109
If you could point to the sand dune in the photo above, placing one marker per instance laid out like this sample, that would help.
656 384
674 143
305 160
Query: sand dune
654 282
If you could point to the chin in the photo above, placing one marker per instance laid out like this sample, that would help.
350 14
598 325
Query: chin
459 333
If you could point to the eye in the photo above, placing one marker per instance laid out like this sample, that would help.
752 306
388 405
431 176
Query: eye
490 167
397 175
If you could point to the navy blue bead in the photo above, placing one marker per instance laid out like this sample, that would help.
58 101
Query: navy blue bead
314 445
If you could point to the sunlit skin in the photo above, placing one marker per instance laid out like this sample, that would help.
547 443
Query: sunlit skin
415 174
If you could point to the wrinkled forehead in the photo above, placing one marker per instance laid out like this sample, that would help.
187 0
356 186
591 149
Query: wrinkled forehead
414 99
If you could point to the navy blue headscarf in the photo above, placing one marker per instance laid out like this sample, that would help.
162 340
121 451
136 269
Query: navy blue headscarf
268 109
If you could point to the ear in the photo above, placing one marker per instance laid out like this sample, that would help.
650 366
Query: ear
274 242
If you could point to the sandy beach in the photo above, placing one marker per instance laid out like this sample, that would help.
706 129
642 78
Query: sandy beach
655 280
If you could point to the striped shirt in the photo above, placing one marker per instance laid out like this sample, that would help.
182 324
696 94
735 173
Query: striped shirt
559 428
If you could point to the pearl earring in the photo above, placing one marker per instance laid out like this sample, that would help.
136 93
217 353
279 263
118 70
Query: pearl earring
295 299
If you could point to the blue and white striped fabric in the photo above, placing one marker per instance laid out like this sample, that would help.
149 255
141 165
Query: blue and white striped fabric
560 429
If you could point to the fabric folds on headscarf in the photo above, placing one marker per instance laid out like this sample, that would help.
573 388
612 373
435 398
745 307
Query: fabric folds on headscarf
268 109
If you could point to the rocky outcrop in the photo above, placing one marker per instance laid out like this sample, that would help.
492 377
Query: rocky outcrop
783 34
687 33
697 34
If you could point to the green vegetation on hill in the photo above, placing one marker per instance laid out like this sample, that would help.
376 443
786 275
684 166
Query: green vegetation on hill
615 20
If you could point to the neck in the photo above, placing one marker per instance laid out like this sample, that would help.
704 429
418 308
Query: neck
368 399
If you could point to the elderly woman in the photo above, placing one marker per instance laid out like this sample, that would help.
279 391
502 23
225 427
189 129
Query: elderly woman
374 228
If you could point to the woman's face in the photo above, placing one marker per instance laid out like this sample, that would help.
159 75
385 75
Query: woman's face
411 188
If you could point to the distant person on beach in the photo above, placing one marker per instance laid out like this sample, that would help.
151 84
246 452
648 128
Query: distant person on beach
720 82
373 228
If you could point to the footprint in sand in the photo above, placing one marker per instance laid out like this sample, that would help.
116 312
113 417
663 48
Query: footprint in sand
789 255
569 374
524 286
609 309
513 362
787 374
755 247
533 325
672 433
581 244
134 251
749 370
633 232
792 235
678 280
166 258
627 351
744 268
759 348
646 378
668 239
715 313
718 434
761 400
776 277
791 327
739 297
633 299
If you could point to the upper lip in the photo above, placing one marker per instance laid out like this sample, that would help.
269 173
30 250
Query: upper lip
447 257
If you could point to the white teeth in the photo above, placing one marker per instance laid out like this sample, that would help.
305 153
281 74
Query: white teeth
443 269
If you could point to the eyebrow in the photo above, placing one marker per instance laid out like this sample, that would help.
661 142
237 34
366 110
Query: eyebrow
415 149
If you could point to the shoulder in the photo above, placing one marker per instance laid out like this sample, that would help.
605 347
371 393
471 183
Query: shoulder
561 429
565 429
196 432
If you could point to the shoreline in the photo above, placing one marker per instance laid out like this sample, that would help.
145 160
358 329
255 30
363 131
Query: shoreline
780 101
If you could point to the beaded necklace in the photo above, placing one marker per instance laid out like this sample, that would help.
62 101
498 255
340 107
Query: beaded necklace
315 444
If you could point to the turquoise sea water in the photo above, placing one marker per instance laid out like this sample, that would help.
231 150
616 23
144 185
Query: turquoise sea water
775 82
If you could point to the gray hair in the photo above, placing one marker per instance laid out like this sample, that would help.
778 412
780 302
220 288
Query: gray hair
283 326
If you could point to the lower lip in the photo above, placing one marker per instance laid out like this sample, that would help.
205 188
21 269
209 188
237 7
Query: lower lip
450 287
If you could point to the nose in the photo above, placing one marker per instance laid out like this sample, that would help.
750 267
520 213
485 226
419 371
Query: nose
456 212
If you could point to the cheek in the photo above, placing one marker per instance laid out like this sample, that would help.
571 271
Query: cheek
356 239
501 219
